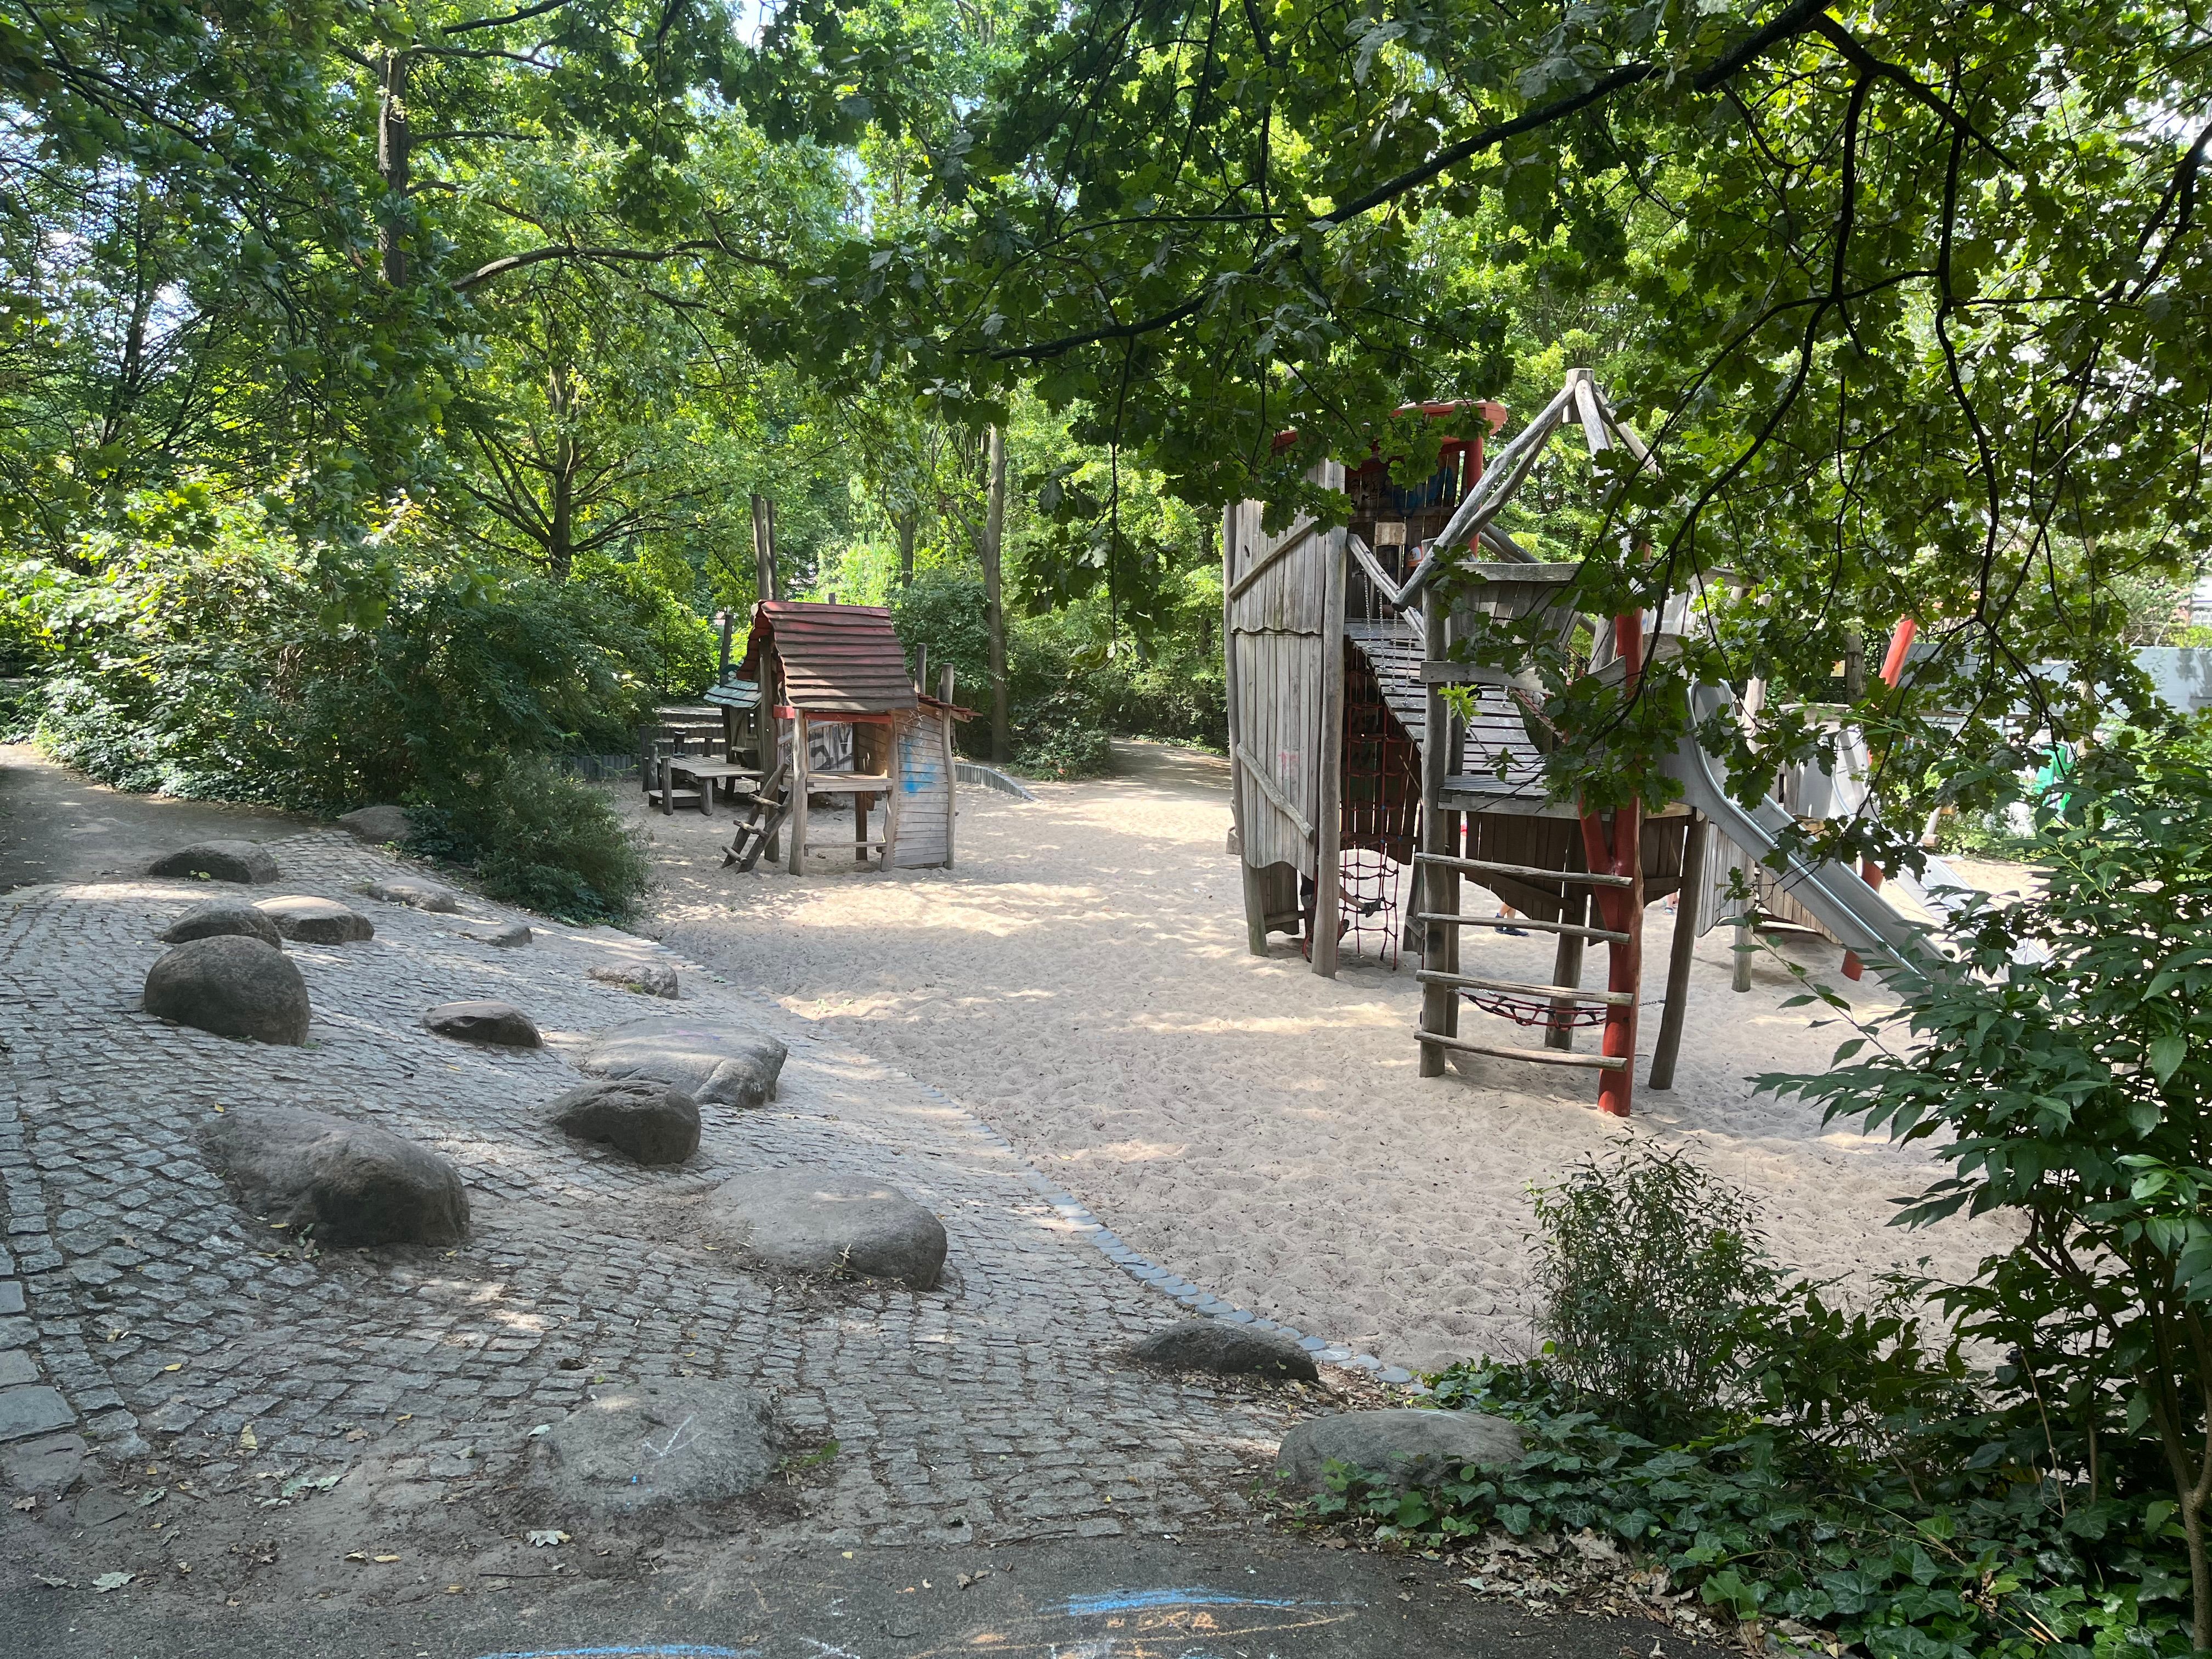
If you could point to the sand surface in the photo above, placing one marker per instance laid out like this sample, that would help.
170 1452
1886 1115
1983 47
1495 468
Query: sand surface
1081 981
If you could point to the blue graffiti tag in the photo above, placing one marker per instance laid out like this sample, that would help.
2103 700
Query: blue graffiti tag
1082 1606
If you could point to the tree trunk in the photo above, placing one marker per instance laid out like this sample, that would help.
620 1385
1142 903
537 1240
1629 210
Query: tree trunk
905 521
994 608
395 165
560 526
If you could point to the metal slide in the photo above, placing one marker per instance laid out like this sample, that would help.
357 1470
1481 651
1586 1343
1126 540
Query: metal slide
1836 894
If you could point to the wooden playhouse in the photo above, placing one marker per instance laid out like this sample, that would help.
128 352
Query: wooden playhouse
824 668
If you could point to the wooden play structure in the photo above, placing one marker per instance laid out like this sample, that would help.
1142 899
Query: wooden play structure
835 715
1338 653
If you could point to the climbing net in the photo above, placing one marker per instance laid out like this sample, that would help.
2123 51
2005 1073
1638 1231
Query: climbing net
1527 1011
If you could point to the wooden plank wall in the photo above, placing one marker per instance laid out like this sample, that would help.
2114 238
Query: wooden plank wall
1278 639
926 804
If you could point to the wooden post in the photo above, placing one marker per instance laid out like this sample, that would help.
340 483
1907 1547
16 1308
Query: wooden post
1678 955
764 548
1328 820
1255 901
1567 966
952 770
994 607
1439 882
797 792
1619 850
889 797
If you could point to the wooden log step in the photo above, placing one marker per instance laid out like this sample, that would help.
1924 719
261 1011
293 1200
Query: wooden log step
1452 919
1525 872
1515 987
1535 1056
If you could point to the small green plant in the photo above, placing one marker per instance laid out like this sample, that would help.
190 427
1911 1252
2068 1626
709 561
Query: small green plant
1648 1265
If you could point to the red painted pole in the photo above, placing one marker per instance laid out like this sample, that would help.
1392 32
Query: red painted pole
1620 853
1892 670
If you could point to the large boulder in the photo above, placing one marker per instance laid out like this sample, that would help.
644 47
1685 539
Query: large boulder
245 861
356 1184
501 1023
807 1221
317 920
232 985
220 916
679 1442
419 895
512 937
379 824
647 979
651 1122
721 1065
1227 1349
1401 1449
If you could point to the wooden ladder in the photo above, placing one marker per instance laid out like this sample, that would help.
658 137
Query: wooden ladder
1437 1028
771 806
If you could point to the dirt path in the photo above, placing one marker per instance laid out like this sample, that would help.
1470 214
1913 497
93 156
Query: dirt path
56 824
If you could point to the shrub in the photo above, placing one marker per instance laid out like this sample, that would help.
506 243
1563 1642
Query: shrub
537 838
1647 1266
2063 1068
1069 751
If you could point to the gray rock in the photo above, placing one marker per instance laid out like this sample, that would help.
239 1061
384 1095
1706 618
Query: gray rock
354 1183
16 1365
484 1021
647 979
231 985
1402 1449
680 1442
27 1413
1226 1349
807 1221
721 1065
50 1465
246 861
651 1122
378 825
219 916
317 920
514 935
420 894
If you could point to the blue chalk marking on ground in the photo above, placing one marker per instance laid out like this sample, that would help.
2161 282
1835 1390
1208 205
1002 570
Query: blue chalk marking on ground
675 1650
1081 1606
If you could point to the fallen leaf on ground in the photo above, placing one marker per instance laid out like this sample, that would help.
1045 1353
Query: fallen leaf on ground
384 1558
356 1555
26 1503
970 1579
546 1537
452 1590
111 1581
247 1440
55 1583
178 1366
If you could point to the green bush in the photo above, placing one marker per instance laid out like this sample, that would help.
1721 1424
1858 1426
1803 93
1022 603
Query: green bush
202 654
2062 1067
1068 752
537 838
1649 1266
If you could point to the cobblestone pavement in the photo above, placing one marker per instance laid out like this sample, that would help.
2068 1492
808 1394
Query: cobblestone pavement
163 1320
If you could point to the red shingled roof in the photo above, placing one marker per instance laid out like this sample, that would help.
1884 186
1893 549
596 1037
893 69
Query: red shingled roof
837 659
